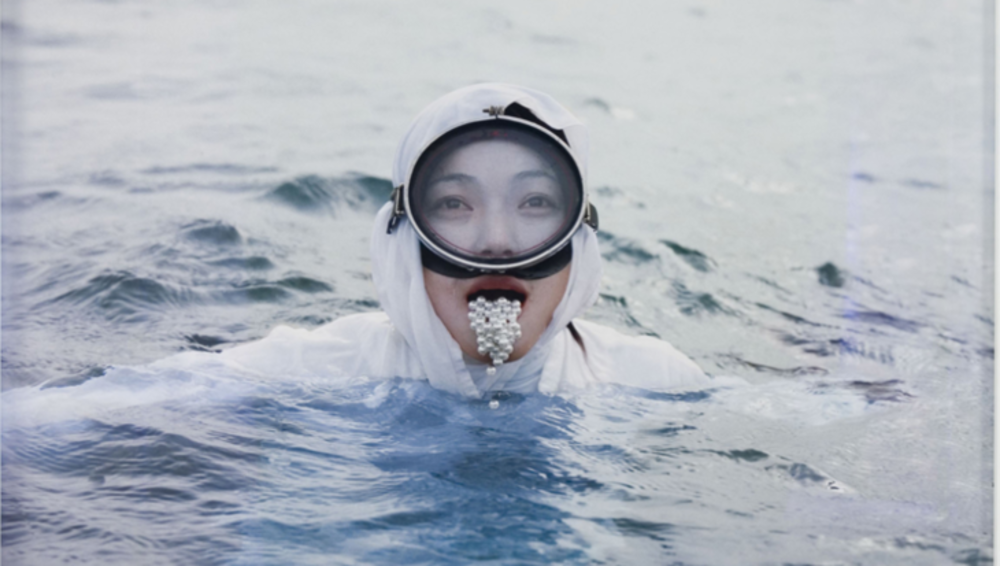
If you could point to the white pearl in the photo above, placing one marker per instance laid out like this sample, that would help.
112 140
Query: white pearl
496 327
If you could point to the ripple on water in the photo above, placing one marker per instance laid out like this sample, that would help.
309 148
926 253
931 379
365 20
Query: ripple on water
842 347
106 178
890 390
622 250
796 371
922 184
305 284
830 275
251 263
124 296
258 291
694 303
621 312
204 343
77 379
882 319
789 316
12 203
217 168
312 193
692 257
746 455
645 529
212 232
121 294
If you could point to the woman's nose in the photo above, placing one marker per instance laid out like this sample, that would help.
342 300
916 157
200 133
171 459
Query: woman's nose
496 239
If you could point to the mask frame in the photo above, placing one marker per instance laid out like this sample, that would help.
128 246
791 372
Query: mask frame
545 268
441 260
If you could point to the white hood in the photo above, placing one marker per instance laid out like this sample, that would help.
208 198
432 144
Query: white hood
467 105
398 273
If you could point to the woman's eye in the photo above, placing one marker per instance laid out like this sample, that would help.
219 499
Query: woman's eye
537 202
450 203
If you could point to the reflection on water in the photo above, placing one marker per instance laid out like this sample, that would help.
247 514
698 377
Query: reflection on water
171 464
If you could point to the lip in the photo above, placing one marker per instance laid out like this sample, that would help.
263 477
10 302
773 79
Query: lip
498 283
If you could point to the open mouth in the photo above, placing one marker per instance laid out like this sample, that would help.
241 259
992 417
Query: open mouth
494 294
493 287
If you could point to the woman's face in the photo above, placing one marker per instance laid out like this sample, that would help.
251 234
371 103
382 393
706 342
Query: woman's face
539 299
493 199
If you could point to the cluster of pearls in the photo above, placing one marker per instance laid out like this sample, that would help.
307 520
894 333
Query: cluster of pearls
496 327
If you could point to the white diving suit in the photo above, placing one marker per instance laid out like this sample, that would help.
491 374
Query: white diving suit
409 340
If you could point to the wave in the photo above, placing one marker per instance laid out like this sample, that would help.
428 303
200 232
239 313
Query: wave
312 193
121 295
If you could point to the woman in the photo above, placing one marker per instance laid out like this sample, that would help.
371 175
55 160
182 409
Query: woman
482 260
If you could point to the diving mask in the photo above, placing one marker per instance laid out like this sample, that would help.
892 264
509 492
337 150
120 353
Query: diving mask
500 195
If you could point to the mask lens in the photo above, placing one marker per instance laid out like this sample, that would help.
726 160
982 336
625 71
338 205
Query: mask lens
495 193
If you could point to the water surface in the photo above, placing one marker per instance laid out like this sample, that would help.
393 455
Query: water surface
796 194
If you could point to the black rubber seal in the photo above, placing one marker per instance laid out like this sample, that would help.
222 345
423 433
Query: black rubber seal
545 268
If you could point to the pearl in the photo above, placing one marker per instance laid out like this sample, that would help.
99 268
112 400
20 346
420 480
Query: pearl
496 327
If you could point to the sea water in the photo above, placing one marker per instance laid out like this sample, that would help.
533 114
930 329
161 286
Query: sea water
796 194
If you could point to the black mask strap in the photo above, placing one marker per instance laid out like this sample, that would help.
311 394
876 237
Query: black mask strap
545 268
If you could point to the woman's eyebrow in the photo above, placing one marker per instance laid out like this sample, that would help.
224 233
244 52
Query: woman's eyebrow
533 173
457 177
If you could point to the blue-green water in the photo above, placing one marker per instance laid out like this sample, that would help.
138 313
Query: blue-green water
797 194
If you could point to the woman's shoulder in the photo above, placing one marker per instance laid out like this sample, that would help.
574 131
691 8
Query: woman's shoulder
347 330
357 326
356 345
638 361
